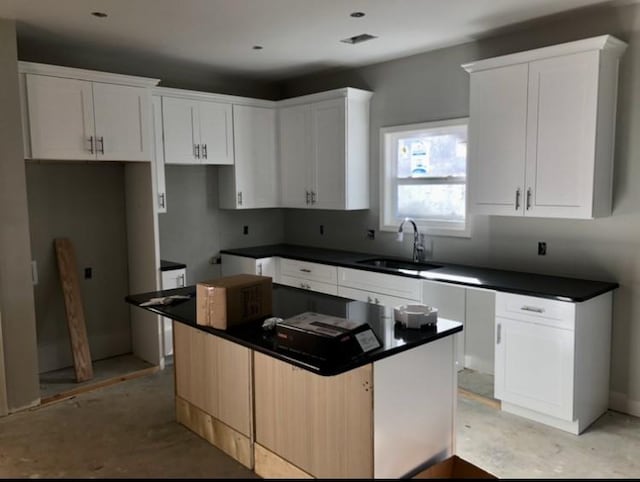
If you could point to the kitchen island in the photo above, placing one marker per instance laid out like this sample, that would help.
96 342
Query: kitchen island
385 413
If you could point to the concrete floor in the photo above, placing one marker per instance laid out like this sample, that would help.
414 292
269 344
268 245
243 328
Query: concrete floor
129 430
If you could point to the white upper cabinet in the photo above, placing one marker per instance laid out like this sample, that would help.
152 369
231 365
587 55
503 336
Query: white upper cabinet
542 127
74 114
252 182
324 150
197 131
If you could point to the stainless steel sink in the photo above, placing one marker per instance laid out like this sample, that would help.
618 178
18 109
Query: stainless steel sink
398 264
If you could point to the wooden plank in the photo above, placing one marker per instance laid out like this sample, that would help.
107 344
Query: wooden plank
490 402
233 389
58 397
270 466
4 407
75 311
230 441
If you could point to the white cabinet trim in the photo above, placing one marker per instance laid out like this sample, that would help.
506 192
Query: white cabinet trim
92 75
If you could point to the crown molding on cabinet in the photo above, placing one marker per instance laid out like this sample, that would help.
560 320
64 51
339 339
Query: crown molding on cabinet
90 75
602 42
198 95
346 92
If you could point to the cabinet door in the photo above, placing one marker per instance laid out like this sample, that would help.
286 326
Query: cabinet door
295 155
534 367
175 278
497 130
216 133
122 122
158 154
563 104
323 425
256 174
61 121
181 134
329 149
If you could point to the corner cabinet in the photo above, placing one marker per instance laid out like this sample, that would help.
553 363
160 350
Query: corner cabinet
552 359
252 182
324 150
542 128
74 114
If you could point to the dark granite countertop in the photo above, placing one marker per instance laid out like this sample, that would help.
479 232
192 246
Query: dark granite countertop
288 302
170 265
545 286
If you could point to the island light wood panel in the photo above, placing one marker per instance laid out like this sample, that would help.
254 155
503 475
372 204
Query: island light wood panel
323 425
215 432
269 466
214 375
74 309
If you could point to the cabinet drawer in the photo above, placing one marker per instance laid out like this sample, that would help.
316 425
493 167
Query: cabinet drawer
375 298
308 271
175 278
318 286
543 311
391 285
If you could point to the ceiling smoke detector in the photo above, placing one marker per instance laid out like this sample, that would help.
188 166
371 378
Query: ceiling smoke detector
356 39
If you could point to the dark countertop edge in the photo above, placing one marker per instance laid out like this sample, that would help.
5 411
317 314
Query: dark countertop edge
171 265
277 250
348 366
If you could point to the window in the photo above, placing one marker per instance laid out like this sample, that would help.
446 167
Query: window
424 176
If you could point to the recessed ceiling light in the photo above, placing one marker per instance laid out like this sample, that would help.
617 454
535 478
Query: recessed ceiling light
356 39
357 14
257 47
99 14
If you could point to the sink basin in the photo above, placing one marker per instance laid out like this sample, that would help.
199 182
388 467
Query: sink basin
398 264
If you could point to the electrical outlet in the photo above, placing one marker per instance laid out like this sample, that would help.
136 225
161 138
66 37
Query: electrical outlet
542 248
216 260
245 230
371 234
322 229
88 273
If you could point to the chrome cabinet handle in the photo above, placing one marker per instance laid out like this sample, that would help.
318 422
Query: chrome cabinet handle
181 281
162 200
91 144
204 151
517 199
528 199
240 198
307 195
305 286
369 300
305 270
313 197
498 334
101 141
533 309
260 269
377 301
196 151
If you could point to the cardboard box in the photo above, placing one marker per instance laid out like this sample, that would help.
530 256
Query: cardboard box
232 300
454 468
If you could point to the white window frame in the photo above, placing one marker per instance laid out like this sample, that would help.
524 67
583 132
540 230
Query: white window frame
388 181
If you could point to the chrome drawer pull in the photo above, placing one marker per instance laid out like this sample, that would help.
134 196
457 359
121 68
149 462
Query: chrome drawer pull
534 309
305 270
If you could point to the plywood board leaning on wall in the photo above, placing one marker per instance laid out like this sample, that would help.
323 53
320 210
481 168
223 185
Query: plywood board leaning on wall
74 309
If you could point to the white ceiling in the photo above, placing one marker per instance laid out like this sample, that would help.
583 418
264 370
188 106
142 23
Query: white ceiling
298 36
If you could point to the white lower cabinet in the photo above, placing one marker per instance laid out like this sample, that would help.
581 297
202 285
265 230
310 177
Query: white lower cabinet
310 276
232 264
383 284
552 359
175 278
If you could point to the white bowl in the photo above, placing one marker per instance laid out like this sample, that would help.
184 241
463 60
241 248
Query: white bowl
415 316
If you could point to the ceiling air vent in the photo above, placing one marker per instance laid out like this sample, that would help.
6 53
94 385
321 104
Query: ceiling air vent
356 39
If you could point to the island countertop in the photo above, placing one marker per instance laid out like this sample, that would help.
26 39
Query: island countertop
531 284
287 302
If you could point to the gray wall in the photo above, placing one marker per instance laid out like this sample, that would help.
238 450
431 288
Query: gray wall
433 86
194 229
16 293
84 202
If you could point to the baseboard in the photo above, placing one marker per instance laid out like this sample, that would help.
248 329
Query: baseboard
620 402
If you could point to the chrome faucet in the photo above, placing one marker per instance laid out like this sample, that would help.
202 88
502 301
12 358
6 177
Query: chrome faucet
418 240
